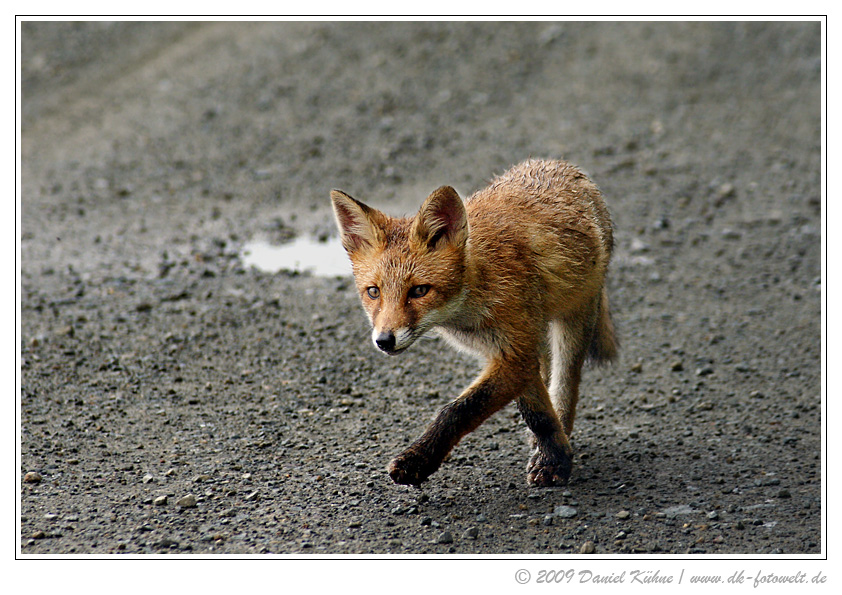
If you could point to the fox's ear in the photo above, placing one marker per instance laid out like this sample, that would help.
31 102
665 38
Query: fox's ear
356 221
441 219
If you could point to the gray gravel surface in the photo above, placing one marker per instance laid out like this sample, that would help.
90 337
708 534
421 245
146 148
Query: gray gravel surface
173 400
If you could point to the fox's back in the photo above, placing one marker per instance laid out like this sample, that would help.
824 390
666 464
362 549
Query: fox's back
542 227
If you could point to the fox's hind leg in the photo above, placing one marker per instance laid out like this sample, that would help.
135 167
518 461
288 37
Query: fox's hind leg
569 341
551 460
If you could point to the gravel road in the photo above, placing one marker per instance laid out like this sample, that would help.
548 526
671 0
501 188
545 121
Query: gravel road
175 400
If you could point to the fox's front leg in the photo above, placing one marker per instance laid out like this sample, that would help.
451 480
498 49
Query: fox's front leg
501 382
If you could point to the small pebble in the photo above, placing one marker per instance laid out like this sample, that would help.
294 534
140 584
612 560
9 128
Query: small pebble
188 501
445 537
623 514
148 478
471 533
784 494
587 548
677 366
160 501
32 477
565 512
726 190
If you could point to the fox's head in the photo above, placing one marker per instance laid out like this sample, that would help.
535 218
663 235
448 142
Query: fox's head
409 271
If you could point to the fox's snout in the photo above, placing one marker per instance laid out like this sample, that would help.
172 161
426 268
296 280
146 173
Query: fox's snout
385 341
392 341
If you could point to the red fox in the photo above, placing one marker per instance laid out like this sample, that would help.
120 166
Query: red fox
515 275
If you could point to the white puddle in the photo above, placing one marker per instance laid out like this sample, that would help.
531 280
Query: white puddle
304 254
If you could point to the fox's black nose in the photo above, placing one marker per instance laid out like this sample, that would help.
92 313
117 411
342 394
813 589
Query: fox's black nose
386 341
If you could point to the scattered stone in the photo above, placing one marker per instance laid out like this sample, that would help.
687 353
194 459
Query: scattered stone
587 548
677 366
565 512
548 520
471 533
637 368
445 537
167 543
147 478
50 516
681 509
355 524
704 371
426 521
160 501
188 501
713 515
638 246
784 494
623 515
32 477
250 497
201 478
39 535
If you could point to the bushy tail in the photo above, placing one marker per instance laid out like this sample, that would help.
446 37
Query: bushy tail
604 344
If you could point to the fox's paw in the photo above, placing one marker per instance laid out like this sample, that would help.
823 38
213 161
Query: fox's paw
411 468
546 471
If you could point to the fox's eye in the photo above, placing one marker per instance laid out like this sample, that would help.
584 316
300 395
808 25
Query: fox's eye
373 292
419 291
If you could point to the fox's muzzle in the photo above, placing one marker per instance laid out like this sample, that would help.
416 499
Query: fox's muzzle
386 341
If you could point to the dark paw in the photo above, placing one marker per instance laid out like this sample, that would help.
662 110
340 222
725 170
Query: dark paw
410 468
545 471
